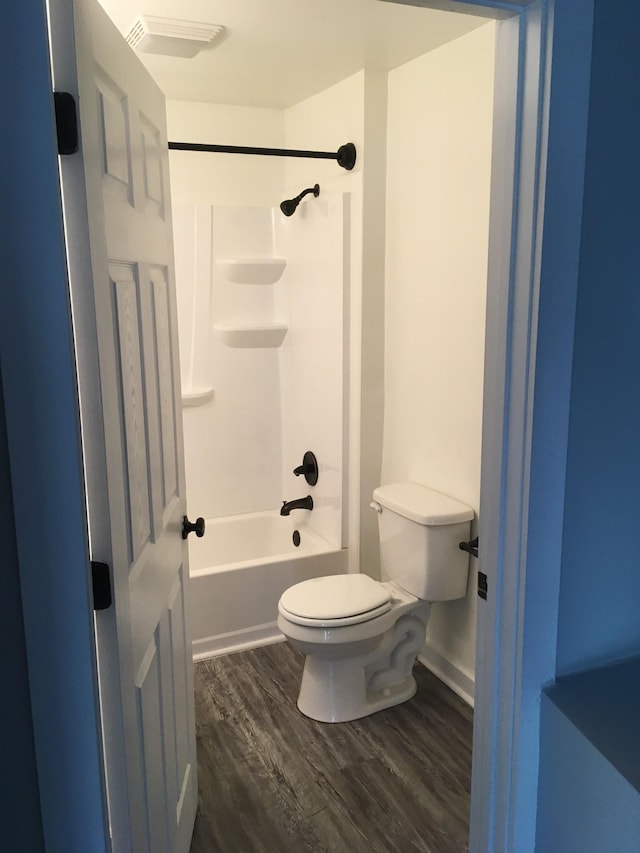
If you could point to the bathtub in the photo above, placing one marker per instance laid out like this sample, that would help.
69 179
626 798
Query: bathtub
239 570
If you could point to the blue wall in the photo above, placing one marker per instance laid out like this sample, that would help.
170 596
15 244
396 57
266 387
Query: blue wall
20 824
587 802
599 615
42 433
585 805
20 819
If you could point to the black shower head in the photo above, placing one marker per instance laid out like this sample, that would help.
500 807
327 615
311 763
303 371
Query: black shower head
288 206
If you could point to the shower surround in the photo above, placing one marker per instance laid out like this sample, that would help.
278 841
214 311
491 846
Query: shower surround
262 320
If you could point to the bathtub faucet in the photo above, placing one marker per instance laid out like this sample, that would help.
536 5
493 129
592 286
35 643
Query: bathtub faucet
300 503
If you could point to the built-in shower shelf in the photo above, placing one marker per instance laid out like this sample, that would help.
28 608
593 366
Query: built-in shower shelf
252 337
251 270
196 396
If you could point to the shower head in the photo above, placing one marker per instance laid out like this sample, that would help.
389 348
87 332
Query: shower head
288 207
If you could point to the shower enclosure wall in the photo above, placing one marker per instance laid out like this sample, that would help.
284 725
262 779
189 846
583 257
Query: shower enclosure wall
261 301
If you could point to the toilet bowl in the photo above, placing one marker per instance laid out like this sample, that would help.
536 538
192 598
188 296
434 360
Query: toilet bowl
358 663
361 636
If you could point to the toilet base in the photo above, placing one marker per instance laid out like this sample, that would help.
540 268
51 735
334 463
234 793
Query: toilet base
336 692
337 689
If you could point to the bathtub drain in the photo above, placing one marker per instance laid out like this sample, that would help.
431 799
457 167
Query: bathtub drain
296 538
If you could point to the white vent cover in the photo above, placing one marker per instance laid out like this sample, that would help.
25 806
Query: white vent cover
171 37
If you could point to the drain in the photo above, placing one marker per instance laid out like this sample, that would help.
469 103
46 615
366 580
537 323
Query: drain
296 538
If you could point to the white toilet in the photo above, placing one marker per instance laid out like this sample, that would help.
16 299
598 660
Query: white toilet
361 636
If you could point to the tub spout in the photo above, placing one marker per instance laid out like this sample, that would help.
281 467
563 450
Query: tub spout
300 503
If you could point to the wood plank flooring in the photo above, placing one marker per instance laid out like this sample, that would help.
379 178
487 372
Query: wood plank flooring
273 781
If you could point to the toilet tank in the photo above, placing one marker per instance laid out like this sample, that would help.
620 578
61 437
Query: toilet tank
420 531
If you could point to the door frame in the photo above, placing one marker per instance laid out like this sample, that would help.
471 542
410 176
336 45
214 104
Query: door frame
517 627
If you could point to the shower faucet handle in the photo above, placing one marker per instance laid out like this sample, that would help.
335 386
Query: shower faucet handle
309 468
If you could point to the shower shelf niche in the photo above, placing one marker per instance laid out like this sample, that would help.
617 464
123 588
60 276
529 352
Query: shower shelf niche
196 396
251 270
252 337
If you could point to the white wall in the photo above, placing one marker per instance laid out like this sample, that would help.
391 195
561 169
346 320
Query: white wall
354 111
438 178
232 443
192 250
370 382
242 471
269 405
315 285
206 178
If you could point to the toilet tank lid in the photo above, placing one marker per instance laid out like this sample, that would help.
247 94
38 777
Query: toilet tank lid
417 502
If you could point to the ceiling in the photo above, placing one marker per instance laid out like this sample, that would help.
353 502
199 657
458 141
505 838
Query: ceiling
276 53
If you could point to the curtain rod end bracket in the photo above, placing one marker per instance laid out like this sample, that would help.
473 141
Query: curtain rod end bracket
346 156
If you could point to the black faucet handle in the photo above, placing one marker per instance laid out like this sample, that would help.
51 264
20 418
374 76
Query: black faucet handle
309 468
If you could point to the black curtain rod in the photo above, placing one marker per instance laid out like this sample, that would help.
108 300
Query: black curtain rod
345 155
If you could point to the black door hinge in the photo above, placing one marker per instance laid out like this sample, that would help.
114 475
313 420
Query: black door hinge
66 122
101 585
482 585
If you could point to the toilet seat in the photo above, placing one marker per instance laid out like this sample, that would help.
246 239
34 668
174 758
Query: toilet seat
335 601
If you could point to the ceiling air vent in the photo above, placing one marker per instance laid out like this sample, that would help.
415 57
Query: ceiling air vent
171 37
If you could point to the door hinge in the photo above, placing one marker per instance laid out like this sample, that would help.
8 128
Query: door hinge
66 122
482 585
101 585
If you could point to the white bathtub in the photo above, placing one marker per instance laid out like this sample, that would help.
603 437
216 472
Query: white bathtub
239 570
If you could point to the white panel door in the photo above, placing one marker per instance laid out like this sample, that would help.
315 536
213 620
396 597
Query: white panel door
133 439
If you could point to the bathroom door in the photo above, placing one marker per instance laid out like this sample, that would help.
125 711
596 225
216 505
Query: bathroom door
119 240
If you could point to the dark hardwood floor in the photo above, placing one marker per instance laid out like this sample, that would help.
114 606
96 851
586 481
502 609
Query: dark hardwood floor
274 781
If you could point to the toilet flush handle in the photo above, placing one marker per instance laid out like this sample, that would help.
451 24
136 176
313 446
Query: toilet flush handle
470 547
375 505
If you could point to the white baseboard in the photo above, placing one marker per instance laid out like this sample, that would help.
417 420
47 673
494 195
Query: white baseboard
236 641
448 673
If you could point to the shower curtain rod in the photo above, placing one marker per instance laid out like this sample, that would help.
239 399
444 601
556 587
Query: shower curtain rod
345 155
